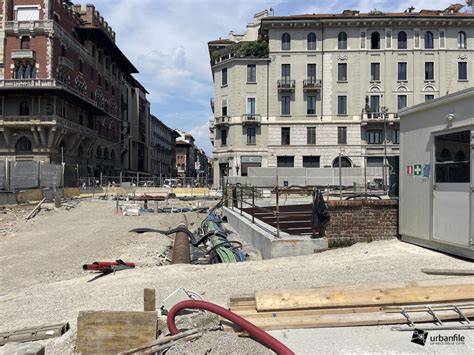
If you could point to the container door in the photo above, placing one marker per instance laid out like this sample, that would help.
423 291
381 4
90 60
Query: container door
452 188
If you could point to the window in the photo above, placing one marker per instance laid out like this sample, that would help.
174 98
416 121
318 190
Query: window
63 50
24 109
107 63
342 105
113 90
92 74
375 40
452 157
224 107
375 71
401 101
375 103
81 66
429 97
224 76
311 105
462 71
106 85
374 162
429 41
310 135
27 13
100 57
286 72
311 73
285 136
285 162
311 44
223 137
99 79
402 40
93 51
23 144
374 136
251 138
285 42
251 105
462 43
429 71
310 162
25 42
341 135
342 72
251 73
113 69
402 71
396 136
345 162
285 105
342 40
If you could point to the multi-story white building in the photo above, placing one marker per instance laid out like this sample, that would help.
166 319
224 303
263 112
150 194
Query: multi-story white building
297 91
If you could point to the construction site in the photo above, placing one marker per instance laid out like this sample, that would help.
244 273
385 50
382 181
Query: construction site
111 271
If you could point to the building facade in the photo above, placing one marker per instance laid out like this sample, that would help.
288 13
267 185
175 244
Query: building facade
163 149
185 154
297 91
67 93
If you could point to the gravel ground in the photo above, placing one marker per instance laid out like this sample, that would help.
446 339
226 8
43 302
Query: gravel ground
42 281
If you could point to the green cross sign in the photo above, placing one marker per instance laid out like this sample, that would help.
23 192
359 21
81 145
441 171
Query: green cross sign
417 170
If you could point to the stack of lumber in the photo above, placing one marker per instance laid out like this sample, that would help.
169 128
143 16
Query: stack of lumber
357 305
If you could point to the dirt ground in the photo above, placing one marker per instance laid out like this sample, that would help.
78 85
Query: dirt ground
42 281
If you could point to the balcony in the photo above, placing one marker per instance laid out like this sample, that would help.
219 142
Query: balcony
45 121
28 26
312 84
286 85
222 121
251 119
23 54
379 117
66 62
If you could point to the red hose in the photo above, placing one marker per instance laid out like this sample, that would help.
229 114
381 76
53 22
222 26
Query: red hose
253 330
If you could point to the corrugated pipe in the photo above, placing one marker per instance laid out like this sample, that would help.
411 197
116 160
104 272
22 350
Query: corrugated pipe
254 331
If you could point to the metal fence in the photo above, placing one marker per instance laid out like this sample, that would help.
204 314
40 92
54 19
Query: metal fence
22 175
143 180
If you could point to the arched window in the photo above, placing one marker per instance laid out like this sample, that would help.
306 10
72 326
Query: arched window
345 162
63 50
375 40
24 108
23 144
98 152
285 42
311 45
25 42
402 40
462 42
429 42
342 40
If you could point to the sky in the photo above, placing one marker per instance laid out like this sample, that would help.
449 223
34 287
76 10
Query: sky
166 40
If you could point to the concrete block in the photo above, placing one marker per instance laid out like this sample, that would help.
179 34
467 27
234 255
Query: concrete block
69 192
29 195
7 198
32 348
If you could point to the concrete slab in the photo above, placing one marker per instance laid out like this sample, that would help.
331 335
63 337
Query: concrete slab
262 237
22 349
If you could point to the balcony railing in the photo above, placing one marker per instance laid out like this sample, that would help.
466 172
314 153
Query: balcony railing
66 62
380 117
312 84
23 54
46 120
222 121
251 119
286 84
28 26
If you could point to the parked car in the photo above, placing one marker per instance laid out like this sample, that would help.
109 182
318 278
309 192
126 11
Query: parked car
169 183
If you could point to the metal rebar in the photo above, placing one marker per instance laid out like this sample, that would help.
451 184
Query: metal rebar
181 249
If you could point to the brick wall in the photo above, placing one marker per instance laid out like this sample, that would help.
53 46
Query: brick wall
363 220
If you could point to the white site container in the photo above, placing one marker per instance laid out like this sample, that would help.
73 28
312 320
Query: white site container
437 174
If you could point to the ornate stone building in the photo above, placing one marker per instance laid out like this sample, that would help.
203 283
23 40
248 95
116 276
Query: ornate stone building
296 91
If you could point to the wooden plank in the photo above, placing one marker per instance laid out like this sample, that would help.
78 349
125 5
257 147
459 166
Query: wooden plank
109 332
160 341
247 313
149 300
348 320
449 272
433 291
35 210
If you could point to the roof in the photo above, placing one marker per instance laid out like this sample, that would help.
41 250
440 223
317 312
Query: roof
221 41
